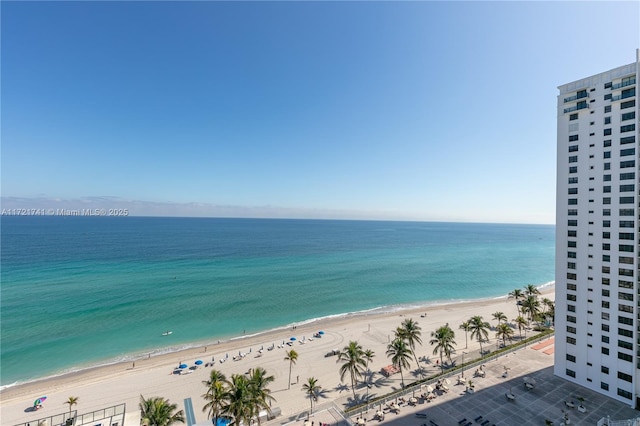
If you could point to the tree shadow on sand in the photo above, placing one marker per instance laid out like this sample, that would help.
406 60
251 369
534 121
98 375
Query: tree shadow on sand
342 387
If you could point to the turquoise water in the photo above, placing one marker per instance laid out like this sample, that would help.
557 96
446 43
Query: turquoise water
81 291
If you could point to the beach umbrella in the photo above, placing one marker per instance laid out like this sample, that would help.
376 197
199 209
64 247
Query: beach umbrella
183 366
39 401
198 362
530 380
293 339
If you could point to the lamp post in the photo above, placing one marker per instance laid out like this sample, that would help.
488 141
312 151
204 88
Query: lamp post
463 354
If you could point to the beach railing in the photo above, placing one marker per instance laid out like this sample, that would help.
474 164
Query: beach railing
110 416
605 421
327 410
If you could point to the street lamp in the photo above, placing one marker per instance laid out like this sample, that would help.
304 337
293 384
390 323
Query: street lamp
463 354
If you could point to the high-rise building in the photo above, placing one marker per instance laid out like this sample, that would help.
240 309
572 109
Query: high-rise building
597 340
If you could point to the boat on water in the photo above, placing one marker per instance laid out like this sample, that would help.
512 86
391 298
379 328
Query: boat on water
166 333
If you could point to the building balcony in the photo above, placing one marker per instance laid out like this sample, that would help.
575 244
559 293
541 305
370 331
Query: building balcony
623 84
579 106
580 95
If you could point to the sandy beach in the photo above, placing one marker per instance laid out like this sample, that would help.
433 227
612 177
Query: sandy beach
106 386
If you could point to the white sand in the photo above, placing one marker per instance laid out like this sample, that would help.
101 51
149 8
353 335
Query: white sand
120 383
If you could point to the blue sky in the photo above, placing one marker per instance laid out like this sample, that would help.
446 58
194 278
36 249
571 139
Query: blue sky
368 110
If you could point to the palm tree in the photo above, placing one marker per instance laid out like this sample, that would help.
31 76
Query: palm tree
259 393
517 294
354 363
239 406
531 290
368 357
292 357
504 332
465 326
400 354
479 329
215 395
409 330
521 322
531 306
443 339
73 400
311 388
157 411
499 316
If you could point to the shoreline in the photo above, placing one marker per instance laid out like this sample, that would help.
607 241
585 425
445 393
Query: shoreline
197 346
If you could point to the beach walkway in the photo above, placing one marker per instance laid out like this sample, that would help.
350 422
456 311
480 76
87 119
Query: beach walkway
489 403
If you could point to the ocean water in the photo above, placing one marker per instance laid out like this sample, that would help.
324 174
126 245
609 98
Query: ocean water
83 291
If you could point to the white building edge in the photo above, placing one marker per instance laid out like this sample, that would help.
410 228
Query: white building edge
597 234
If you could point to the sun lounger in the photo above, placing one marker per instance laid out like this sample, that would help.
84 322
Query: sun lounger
433 423
485 423
478 419
421 415
463 421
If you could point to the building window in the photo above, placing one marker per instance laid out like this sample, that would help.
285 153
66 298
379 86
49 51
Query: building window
625 260
573 159
607 132
573 169
571 244
626 236
605 305
604 339
606 223
571 340
626 200
571 265
607 120
624 188
625 345
572 233
573 191
627 139
623 393
625 308
627 212
571 358
606 235
571 276
607 154
606 212
571 373
606 270
573 148
625 320
624 357
627 128
606 246
626 93
606 200
571 330
625 284
573 116
574 201
607 166
628 104
604 386
606 109
571 319
573 180
628 116
605 293
628 151
628 163
605 281
572 222
604 350
626 333
628 248
625 296
573 138
606 189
